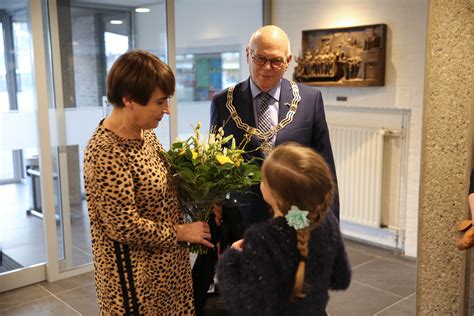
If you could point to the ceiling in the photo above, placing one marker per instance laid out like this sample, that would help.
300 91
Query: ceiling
12 5
118 3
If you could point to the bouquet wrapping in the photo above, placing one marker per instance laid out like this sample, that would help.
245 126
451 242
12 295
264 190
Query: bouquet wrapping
207 171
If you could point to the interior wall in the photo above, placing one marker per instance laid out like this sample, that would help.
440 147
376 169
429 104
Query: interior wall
404 71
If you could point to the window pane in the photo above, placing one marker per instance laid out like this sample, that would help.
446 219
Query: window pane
212 56
24 68
4 102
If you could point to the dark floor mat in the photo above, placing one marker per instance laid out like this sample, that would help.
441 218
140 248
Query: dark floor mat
8 264
215 307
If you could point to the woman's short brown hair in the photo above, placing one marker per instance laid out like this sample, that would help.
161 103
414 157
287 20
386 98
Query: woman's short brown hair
137 74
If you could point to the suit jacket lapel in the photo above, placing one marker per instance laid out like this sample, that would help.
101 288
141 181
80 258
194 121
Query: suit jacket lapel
286 96
243 102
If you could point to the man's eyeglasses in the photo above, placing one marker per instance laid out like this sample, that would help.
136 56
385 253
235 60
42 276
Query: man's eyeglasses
262 60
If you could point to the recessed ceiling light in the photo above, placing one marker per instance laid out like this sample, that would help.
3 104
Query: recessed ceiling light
116 22
142 10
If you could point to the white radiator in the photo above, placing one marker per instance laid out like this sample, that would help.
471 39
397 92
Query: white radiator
358 155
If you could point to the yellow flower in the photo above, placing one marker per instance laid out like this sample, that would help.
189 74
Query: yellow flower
221 159
195 155
182 152
237 163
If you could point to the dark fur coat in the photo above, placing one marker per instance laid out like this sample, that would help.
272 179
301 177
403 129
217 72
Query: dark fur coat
259 279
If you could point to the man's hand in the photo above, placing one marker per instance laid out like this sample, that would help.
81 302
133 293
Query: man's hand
217 210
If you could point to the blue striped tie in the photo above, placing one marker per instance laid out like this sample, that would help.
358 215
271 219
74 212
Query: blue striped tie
264 120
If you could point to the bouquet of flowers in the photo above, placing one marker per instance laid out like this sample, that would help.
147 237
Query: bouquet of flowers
207 171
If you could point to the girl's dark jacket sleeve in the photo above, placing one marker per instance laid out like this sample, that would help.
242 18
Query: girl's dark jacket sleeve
259 279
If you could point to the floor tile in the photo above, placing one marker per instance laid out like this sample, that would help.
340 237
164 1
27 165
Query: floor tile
83 299
22 295
78 281
387 275
47 306
357 258
80 257
404 307
412 297
371 250
359 300
215 307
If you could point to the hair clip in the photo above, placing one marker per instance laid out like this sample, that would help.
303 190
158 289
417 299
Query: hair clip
296 218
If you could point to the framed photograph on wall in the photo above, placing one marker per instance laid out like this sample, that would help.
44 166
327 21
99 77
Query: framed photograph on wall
349 56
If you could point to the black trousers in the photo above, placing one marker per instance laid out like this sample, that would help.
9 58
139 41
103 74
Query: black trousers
204 268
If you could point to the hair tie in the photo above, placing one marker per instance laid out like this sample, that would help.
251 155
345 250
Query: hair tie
296 218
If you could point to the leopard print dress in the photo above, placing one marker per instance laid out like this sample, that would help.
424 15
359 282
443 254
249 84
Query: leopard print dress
140 267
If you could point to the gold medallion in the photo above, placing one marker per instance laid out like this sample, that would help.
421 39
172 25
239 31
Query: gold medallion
267 147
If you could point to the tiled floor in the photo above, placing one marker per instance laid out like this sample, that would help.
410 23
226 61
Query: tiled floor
382 284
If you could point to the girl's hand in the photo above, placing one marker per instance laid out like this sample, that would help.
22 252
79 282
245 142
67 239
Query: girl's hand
238 245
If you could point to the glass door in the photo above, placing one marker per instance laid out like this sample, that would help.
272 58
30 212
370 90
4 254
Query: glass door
93 34
89 45
22 245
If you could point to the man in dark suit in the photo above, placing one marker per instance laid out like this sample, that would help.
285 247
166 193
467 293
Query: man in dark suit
267 110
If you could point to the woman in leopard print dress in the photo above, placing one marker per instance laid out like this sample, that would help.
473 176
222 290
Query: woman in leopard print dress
141 258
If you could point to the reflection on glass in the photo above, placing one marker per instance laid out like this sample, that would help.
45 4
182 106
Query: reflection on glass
200 76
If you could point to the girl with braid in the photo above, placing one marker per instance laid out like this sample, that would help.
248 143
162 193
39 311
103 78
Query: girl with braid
286 265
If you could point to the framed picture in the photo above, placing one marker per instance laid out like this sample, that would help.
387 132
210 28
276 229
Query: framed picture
349 56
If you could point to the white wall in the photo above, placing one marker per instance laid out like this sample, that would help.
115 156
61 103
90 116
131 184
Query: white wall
404 75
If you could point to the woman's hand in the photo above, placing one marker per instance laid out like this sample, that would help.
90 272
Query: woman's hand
238 245
196 233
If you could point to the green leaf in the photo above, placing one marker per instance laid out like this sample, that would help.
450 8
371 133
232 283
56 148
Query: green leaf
177 145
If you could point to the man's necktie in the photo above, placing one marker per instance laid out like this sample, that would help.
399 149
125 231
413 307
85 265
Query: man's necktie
264 121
